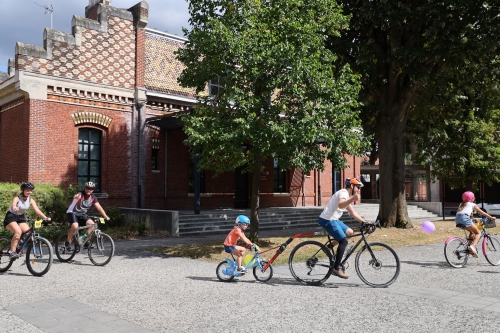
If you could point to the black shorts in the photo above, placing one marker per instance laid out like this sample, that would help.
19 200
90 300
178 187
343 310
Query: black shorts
81 219
11 217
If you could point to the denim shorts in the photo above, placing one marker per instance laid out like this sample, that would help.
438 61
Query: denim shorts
463 219
336 228
229 249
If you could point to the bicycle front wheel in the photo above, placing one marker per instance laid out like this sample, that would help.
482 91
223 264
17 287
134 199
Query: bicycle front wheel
101 249
491 250
377 265
311 263
456 252
222 270
5 261
260 275
39 256
62 253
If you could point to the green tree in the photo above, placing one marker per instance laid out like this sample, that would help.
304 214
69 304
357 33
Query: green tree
397 47
454 123
280 94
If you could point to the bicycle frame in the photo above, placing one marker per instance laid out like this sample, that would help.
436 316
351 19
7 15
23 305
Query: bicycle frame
92 234
256 261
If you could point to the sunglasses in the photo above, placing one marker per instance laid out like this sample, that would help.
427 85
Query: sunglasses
88 188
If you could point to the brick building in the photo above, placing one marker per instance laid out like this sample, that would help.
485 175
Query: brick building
99 104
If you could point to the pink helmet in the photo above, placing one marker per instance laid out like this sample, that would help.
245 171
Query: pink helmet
468 196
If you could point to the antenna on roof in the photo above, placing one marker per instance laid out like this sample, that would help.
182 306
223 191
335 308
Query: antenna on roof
48 10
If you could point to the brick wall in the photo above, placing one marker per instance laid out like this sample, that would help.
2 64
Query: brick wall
14 141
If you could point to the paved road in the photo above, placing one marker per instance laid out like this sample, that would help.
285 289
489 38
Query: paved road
143 292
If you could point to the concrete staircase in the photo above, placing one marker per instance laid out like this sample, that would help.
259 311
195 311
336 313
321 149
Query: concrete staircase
221 221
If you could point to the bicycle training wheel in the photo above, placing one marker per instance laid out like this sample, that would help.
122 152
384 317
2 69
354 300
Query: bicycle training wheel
220 271
263 276
379 267
5 261
311 263
62 254
491 250
39 256
456 252
101 249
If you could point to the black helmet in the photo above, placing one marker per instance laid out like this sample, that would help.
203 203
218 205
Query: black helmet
27 185
90 185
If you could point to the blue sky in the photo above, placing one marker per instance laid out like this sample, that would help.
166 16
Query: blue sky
24 21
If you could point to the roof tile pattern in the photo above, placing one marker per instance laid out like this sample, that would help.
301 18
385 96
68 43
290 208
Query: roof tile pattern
162 69
107 58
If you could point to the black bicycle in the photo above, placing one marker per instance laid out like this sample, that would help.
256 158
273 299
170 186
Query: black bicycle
100 246
39 253
377 264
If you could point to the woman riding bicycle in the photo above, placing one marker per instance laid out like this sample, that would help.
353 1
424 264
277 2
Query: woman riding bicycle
463 218
15 220
77 211
330 219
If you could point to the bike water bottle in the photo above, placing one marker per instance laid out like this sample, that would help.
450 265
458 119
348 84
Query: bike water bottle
349 247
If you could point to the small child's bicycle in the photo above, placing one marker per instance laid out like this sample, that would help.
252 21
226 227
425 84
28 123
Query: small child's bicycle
456 249
39 251
227 270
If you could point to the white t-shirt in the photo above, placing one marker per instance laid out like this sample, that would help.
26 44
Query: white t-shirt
467 209
332 210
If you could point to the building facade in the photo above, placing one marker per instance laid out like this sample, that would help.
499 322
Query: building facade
99 104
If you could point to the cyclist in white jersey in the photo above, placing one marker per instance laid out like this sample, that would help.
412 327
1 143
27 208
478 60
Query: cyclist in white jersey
330 219
77 212
15 220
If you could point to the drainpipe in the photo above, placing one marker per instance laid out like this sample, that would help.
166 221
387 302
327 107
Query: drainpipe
319 187
140 103
165 173
139 107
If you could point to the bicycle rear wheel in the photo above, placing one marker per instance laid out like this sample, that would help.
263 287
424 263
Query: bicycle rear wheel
311 263
456 252
260 275
62 254
377 265
101 249
491 250
5 261
222 270
39 256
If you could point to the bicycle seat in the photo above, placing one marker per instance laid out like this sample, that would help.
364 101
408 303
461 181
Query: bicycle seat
461 226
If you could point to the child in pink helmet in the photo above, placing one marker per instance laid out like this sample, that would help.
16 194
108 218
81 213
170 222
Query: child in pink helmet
463 218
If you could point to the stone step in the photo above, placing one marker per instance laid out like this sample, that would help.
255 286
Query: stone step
222 221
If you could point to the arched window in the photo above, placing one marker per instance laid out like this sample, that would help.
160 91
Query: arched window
89 156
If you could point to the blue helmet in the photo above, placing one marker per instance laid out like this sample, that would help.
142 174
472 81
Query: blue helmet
242 219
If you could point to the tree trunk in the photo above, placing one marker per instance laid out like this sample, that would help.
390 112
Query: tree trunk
254 213
391 132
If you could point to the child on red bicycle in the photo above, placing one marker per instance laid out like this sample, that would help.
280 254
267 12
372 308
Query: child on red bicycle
463 218
238 232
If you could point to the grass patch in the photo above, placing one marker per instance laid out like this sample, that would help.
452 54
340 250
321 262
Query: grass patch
214 251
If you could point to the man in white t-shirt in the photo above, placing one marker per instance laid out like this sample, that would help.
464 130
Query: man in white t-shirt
330 219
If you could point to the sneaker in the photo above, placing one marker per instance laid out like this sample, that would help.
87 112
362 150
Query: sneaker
340 273
241 270
473 251
68 247
13 255
87 245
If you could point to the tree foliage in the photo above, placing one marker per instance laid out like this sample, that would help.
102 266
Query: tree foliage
280 91
397 47
455 124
